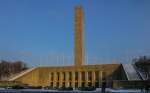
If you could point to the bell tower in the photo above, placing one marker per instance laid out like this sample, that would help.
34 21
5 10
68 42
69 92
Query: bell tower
79 56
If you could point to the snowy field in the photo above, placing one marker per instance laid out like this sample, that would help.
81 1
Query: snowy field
75 91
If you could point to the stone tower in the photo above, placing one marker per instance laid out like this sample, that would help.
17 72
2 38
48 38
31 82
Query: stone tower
79 37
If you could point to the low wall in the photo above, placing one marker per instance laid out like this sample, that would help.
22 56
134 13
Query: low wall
130 84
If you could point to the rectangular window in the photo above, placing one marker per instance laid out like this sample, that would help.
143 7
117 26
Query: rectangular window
83 76
70 76
58 76
52 76
90 75
64 76
97 75
76 75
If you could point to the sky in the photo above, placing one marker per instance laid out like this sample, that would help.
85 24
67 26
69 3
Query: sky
41 32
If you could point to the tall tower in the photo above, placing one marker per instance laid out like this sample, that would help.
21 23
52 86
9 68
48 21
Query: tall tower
79 37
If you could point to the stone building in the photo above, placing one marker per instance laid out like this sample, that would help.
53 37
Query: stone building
78 75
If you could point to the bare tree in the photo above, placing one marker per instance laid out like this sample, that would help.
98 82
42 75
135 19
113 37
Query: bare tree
143 64
9 68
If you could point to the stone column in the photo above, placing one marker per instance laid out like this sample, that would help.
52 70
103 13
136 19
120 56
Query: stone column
104 83
63 78
67 79
73 79
50 79
104 75
60 79
55 79
79 79
93 78
100 78
86 79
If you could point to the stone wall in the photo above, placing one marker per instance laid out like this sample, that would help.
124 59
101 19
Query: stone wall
88 75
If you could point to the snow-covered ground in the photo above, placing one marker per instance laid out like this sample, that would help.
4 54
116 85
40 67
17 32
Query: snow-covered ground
75 91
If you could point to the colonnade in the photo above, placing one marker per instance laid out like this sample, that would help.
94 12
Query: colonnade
75 78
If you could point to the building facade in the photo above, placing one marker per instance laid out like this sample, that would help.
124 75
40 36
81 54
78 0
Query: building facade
78 75
70 76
